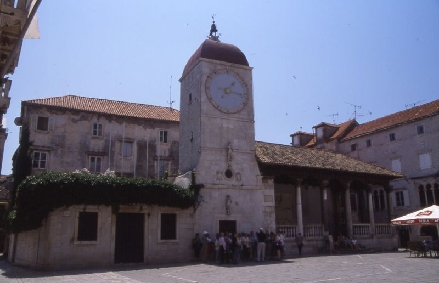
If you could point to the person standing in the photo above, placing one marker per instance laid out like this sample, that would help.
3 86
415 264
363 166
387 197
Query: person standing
262 237
205 241
254 245
236 246
196 245
299 242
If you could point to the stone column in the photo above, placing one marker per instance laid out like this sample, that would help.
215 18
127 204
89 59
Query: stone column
424 189
299 206
371 214
325 204
388 190
348 209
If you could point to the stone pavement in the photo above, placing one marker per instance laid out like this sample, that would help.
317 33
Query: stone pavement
352 268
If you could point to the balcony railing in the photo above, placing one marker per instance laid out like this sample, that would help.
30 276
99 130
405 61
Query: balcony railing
383 229
366 229
316 230
361 229
309 231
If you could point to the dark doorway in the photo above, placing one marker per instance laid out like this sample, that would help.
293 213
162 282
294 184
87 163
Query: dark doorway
339 213
430 230
228 226
404 236
129 238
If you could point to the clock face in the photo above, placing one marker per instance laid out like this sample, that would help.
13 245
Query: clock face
226 91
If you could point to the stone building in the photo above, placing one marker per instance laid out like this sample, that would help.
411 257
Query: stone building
70 132
246 185
15 18
405 141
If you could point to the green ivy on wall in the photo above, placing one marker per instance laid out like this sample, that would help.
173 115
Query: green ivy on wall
40 194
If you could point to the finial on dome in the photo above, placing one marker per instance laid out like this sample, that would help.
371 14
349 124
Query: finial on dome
213 31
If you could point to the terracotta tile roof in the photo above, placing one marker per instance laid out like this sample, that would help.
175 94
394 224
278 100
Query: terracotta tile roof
342 128
279 154
109 107
302 133
325 124
395 119
312 142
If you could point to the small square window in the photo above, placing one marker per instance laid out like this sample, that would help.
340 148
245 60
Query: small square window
127 149
87 226
43 123
368 143
420 129
97 130
354 147
39 160
95 164
168 226
392 137
163 136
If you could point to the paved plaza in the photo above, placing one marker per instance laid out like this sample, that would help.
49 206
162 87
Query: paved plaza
375 267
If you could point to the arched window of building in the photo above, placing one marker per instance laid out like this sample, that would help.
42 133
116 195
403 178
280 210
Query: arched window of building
382 200
430 200
422 199
436 193
376 200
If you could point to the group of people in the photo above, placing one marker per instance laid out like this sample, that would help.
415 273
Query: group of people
347 242
235 247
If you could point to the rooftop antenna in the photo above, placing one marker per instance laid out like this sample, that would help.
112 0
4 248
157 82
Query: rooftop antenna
411 105
213 30
356 114
355 109
170 102
333 117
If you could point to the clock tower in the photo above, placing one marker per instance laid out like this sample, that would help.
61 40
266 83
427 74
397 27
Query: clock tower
217 140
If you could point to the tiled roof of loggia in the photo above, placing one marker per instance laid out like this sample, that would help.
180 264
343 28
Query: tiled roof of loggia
287 155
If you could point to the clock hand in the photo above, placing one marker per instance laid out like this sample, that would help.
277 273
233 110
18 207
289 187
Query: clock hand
237 93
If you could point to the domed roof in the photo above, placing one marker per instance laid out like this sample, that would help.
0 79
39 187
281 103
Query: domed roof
216 50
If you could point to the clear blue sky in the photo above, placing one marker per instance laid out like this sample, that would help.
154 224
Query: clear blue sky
380 55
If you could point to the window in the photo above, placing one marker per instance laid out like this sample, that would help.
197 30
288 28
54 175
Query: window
382 200
296 141
163 166
425 161
399 198
168 226
319 132
127 149
39 160
97 130
42 123
396 165
163 136
190 98
87 226
95 164
354 147
368 143
420 129
379 200
354 203
392 137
